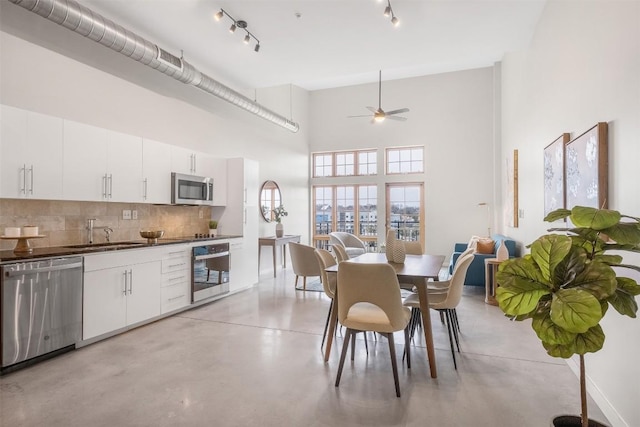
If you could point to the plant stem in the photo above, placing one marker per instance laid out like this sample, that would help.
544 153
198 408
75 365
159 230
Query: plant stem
583 394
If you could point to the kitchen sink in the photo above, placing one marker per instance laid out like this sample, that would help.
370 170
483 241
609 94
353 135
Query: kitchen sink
107 245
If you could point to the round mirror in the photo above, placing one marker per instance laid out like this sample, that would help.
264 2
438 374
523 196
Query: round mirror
270 198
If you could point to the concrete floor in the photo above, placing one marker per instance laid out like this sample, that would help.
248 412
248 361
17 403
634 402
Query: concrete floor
253 359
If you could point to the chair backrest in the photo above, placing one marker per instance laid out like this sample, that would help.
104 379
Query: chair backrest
413 247
347 240
341 253
468 251
326 260
454 293
303 260
376 284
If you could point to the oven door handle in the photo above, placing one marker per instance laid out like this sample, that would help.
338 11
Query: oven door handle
208 256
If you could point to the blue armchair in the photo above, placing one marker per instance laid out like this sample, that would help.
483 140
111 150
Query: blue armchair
475 272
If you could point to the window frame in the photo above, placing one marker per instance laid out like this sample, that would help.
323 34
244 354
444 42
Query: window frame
334 162
400 150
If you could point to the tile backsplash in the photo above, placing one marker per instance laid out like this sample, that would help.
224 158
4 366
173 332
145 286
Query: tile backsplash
63 222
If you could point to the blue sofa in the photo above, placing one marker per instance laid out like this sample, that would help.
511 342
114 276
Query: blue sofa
475 273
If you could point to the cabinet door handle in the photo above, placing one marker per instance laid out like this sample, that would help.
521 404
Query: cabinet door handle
144 189
176 265
178 297
245 215
104 186
23 185
31 181
125 282
110 185
130 281
245 195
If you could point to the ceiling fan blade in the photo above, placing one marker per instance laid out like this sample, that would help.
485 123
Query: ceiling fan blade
401 110
402 119
373 110
367 115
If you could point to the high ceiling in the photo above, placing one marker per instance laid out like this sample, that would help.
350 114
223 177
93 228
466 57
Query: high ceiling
318 44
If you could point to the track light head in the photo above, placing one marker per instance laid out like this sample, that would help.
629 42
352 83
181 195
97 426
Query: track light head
247 39
387 11
257 48
218 16
232 28
395 21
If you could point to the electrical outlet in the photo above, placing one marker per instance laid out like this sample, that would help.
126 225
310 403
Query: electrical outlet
134 214
201 214
126 214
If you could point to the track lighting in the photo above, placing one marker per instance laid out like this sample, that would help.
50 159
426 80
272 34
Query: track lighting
388 11
239 24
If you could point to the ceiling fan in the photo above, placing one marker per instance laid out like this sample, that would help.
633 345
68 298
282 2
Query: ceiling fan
379 115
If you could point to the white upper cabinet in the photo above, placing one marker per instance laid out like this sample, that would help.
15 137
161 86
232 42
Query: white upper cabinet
216 168
124 167
156 172
188 161
30 154
101 165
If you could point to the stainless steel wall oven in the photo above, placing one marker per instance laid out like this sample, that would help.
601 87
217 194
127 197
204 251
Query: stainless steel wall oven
210 273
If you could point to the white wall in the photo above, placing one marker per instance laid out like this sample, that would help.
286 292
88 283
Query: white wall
583 66
451 115
41 80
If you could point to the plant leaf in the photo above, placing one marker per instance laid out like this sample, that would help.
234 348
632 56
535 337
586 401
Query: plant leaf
590 341
597 219
598 278
558 350
575 310
624 233
549 332
624 303
628 285
608 259
548 251
557 214
572 265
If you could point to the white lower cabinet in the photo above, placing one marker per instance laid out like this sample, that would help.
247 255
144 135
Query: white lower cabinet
117 294
175 292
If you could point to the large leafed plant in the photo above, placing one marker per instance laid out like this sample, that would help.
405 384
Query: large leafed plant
567 282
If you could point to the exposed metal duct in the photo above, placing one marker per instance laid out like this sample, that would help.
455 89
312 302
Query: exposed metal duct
75 17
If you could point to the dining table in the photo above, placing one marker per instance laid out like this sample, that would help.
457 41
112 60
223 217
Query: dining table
416 269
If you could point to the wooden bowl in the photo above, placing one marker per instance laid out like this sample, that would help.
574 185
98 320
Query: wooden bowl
152 236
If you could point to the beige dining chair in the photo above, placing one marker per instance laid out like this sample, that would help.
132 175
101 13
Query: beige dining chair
350 242
413 247
326 260
304 262
369 299
445 302
341 253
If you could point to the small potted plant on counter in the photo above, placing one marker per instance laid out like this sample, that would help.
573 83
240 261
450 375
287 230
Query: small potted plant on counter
567 282
213 228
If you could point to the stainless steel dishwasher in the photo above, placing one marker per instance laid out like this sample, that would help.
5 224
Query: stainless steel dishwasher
41 309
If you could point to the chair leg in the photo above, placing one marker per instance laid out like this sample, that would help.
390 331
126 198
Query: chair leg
394 363
304 283
407 346
453 353
442 317
343 355
453 327
326 325
208 273
455 316
295 285
353 345
366 345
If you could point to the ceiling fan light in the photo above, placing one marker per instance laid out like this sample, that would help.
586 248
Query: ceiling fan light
378 118
218 16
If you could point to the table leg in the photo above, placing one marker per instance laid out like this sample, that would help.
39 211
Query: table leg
273 253
259 247
487 282
421 284
284 255
333 317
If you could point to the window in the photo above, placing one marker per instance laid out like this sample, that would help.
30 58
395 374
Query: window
405 211
405 160
355 212
345 163
367 163
323 164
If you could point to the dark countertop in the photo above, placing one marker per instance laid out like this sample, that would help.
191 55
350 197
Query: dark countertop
54 251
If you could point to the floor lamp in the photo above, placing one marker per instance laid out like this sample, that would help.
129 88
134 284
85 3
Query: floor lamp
488 217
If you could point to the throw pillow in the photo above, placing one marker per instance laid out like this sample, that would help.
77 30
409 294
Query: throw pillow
485 246
473 243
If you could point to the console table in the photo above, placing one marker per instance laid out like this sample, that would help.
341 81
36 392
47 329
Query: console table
274 241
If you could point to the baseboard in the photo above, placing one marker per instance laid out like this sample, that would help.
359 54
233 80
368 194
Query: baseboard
613 417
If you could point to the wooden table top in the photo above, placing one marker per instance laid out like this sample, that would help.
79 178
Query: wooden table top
426 266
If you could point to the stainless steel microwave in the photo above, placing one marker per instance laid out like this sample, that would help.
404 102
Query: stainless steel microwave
191 189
